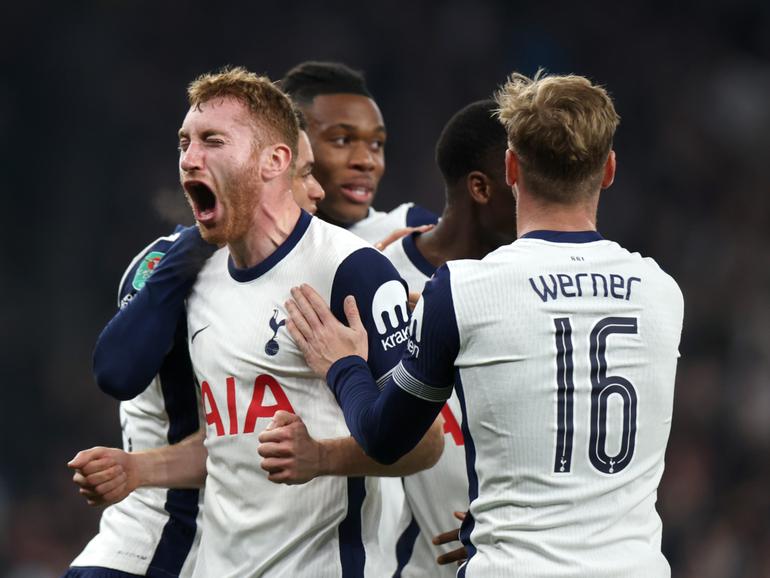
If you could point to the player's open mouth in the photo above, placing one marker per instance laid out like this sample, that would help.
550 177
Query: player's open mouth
203 201
358 193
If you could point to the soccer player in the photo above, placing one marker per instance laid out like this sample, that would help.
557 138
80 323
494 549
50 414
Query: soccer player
237 146
155 532
562 348
348 136
479 216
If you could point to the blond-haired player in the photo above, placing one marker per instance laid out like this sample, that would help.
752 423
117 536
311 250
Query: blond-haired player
562 347
155 531
236 154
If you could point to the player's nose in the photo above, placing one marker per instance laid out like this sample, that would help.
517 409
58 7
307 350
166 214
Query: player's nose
192 158
315 190
362 157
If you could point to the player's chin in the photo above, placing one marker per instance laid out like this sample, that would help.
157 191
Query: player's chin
212 234
344 210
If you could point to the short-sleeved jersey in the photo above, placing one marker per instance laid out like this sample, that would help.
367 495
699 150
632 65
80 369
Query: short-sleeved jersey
248 367
433 494
153 532
379 224
564 348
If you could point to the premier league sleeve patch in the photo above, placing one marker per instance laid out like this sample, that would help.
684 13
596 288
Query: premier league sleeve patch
146 268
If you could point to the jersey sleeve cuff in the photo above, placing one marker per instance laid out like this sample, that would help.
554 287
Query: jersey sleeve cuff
413 386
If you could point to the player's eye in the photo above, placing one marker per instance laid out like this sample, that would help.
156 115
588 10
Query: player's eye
340 141
183 145
377 145
214 142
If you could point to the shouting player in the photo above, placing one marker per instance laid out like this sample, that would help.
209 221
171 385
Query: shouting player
562 348
237 145
155 532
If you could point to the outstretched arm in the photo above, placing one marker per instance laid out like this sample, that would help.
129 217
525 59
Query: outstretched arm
108 475
291 456
131 348
387 424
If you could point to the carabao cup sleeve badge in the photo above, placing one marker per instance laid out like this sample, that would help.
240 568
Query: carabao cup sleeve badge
146 268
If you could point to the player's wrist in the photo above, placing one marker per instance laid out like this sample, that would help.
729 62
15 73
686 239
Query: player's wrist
325 465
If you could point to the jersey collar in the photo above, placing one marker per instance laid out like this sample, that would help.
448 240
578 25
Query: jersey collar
564 236
414 255
251 273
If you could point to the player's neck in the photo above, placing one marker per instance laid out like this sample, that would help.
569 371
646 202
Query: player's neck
273 221
535 215
454 237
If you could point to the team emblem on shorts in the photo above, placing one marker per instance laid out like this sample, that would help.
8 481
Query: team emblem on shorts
146 268
271 347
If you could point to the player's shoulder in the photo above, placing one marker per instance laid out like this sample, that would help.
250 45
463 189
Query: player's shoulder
144 262
415 215
334 241
658 276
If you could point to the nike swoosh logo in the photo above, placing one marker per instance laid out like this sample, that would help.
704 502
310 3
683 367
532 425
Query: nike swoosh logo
194 335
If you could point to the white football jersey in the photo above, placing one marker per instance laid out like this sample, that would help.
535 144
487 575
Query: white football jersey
153 532
563 348
248 367
379 224
434 494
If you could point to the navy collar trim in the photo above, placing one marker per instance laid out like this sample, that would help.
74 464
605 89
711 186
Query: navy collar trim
251 273
414 255
564 236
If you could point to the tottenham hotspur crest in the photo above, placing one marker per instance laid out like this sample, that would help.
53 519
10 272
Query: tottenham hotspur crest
271 347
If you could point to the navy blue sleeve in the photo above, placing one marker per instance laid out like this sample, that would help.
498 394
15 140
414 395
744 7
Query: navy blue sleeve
131 348
381 298
417 215
389 424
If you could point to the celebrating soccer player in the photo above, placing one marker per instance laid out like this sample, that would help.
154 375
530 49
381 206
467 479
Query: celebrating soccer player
562 348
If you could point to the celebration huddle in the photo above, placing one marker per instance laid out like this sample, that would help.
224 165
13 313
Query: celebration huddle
312 387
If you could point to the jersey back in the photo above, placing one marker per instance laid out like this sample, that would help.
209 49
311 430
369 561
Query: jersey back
567 354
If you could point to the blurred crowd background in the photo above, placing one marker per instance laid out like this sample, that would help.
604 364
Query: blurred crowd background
91 96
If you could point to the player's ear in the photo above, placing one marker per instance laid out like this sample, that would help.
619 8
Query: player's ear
478 186
609 170
511 168
275 161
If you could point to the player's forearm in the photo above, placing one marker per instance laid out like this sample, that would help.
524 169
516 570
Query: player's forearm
367 410
131 348
344 457
181 465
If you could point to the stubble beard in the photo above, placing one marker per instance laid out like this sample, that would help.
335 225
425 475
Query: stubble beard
239 201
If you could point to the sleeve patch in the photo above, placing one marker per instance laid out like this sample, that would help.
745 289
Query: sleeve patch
145 269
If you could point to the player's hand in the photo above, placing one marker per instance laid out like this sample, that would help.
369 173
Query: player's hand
458 555
414 297
401 233
105 475
317 332
289 454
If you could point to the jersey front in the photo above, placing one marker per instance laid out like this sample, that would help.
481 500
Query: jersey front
433 494
379 224
565 348
248 367
152 532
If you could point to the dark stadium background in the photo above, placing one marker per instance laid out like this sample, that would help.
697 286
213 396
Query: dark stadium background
91 96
